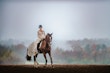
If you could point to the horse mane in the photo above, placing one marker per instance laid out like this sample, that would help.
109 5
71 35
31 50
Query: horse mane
46 38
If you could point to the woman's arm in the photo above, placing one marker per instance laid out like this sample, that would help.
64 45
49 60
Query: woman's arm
38 34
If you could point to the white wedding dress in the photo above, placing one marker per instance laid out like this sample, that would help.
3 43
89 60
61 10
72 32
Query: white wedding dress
32 49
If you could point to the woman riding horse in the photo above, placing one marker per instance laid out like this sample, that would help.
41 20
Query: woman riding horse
41 45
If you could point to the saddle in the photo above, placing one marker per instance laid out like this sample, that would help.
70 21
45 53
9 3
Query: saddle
38 46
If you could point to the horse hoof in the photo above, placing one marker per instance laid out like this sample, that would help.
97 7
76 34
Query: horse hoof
36 66
37 63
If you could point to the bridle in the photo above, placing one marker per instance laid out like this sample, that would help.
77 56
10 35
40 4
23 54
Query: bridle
49 36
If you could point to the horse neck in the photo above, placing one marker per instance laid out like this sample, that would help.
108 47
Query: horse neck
46 39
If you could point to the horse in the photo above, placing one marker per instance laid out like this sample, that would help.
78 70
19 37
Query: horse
43 47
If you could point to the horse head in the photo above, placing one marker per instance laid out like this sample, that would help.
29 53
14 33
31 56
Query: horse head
49 37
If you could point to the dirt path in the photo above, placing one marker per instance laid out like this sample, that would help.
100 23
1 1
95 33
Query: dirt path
56 69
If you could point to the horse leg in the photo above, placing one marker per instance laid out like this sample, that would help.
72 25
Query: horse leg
50 58
45 58
35 62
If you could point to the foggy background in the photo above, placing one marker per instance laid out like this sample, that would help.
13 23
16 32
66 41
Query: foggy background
71 22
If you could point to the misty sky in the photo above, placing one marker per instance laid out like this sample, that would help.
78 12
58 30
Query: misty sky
68 20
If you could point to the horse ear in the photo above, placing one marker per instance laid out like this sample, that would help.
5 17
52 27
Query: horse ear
51 33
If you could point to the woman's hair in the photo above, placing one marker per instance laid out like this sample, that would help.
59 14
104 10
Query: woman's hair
40 26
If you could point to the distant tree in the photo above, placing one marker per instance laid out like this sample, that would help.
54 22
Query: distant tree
104 46
87 48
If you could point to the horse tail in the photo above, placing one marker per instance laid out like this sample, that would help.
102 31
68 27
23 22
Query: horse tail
28 58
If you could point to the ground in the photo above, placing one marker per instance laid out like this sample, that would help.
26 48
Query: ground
56 69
